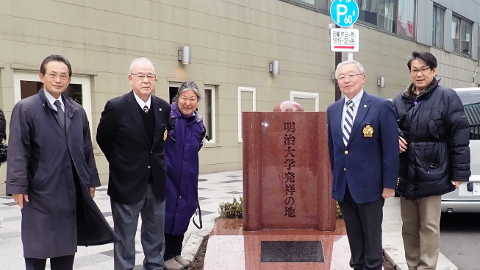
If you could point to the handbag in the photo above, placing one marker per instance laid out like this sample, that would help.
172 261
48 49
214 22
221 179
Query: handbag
3 152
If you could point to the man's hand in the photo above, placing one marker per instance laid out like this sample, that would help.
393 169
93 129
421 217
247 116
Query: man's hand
402 144
388 192
457 183
92 192
19 198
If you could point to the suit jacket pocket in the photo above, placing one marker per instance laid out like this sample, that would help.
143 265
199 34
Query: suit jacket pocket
120 168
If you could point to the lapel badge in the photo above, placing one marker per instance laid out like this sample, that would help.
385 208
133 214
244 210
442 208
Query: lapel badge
164 134
364 106
368 131
160 109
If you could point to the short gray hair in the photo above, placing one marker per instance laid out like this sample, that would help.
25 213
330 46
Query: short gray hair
141 59
360 67
188 85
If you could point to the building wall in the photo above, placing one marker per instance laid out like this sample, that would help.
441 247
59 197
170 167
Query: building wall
232 42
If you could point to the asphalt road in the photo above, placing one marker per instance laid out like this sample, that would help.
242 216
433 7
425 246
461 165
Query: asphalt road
460 239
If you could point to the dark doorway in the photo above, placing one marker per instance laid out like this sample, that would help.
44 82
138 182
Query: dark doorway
30 88
172 90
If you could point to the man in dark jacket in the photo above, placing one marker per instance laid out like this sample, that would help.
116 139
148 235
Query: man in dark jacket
434 159
131 134
51 173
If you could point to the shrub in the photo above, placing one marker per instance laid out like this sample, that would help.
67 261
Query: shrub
231 209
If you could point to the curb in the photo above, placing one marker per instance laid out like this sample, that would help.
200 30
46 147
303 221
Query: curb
193 243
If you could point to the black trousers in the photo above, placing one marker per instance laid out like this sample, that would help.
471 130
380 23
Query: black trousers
363 222
173 246
56 263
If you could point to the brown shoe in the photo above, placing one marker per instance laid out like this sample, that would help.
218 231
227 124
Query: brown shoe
183 261
172 264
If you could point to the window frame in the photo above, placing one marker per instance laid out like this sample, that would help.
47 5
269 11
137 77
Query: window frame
213 90
254 107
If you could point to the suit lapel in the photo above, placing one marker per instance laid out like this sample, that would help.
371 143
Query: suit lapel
70 111
362 111
336 120
133 109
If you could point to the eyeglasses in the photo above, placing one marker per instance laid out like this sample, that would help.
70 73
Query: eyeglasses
349 76
416 71
141 76
53 75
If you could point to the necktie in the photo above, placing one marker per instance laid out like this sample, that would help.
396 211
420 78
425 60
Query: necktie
347 126
60 113
145 109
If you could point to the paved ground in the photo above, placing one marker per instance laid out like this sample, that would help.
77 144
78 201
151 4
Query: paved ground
214 189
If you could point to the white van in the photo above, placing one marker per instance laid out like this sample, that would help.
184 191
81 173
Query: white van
467 197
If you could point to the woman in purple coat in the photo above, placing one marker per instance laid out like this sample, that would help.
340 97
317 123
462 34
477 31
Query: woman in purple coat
181 149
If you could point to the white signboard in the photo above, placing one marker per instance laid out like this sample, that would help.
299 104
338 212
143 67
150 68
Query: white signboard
344 40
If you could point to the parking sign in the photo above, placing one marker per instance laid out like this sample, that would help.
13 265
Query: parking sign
344 12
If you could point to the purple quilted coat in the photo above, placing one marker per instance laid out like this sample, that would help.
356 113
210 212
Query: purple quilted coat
181 149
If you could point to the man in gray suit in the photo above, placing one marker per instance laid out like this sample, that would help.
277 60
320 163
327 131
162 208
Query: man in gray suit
51 173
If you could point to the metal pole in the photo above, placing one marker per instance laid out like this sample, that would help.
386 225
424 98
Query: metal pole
350 54
338 59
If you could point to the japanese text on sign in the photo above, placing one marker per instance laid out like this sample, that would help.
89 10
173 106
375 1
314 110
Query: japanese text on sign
344 40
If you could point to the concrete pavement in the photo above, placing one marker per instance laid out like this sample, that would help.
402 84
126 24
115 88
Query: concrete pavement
213 189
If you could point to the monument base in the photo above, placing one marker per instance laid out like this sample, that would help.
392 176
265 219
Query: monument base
229 247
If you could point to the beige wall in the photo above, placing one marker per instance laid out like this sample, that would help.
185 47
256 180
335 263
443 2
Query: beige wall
232 42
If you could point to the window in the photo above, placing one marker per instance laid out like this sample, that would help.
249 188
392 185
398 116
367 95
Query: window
456 33
386 15
478 42
437 31
247 102
311 2
405 18
316 5
461 35
470 98
465 37
472 113
210 109
368 11
308 100
395 16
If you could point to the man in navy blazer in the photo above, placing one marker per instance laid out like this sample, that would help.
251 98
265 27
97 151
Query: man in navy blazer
363 148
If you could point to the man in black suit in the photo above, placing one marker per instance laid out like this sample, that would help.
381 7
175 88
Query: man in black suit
131 134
